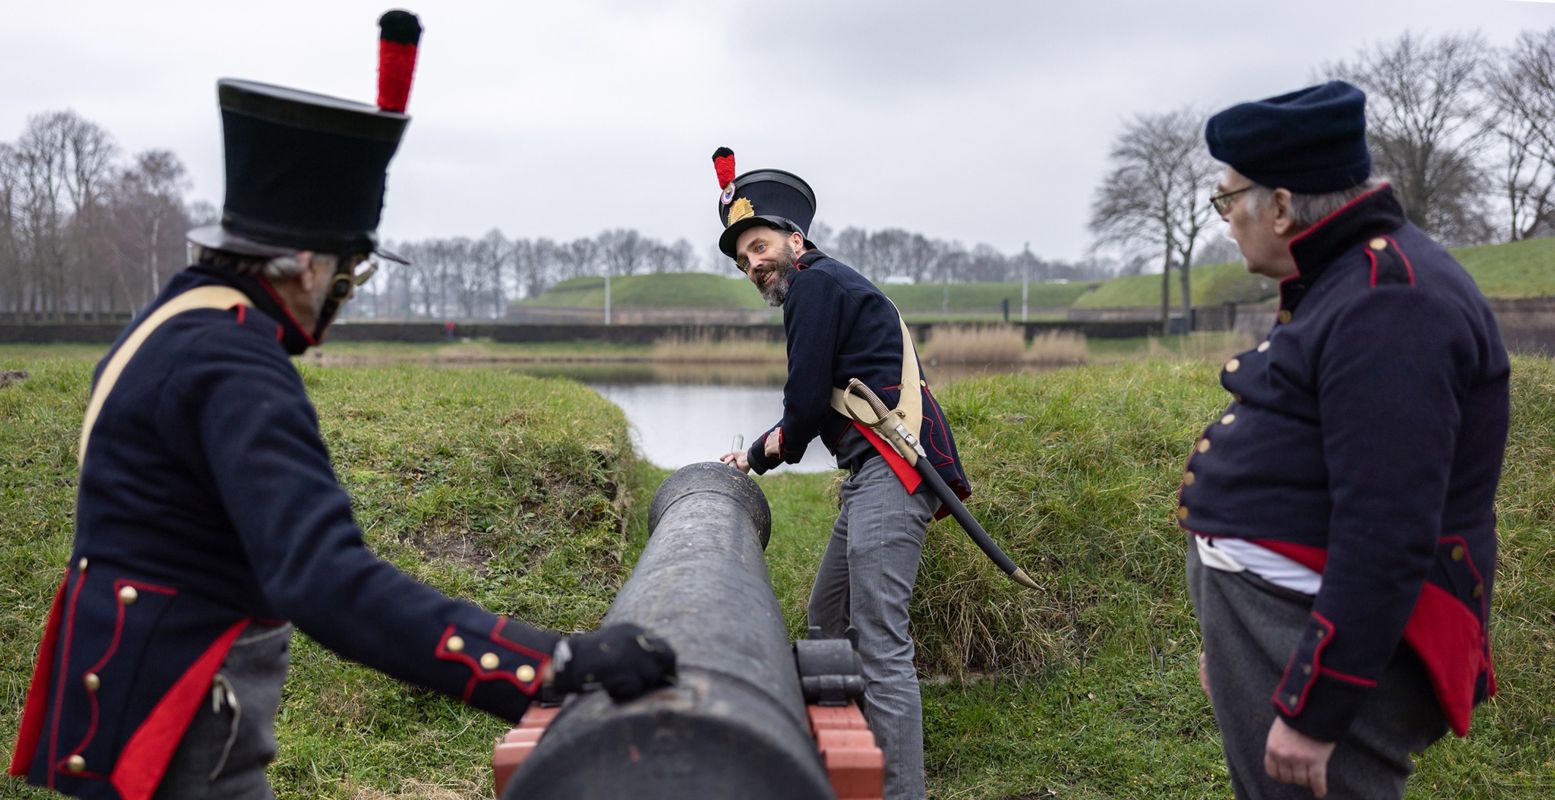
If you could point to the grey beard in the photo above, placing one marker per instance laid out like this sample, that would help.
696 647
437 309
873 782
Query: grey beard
785 278
779 291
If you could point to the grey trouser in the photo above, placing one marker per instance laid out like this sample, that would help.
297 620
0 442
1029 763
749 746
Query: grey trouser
1250 629
865 580
231 739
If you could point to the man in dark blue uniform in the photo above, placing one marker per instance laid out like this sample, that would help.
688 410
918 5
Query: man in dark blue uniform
1341 508
209 519
839 327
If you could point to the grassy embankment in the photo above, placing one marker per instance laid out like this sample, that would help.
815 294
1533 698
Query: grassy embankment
1086 689
668 290
1515 269
928 302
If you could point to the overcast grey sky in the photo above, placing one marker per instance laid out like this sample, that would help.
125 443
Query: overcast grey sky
975 121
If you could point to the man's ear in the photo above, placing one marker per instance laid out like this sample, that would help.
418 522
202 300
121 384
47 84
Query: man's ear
306 278
796 241
1283 224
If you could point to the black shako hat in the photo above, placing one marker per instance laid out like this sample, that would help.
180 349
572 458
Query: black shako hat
307 171
768 197
1309 141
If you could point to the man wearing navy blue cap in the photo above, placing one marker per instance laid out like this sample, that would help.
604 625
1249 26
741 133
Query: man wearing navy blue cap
1343 536
209 519
840 326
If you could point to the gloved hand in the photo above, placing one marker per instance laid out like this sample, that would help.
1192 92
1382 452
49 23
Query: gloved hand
622 658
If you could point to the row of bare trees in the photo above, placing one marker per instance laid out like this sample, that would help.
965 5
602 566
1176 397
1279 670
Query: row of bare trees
84 231
1464 132
463 278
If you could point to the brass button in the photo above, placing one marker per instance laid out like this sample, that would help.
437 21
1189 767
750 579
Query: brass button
1284 315
1188 478
92 682
455 644
1233 365
525 673
1306 669
1457 553
490 661
1378 243
1320 633
76 764
1182 512
1479 591
1293 699
1228 419
82 564
1263 346
128 595
1203 445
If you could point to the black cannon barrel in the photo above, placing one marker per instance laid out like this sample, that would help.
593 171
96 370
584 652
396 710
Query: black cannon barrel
734 725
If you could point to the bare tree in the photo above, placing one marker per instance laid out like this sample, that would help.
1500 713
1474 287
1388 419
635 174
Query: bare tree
1156 196
1424 129
1522 92
148 220
622 250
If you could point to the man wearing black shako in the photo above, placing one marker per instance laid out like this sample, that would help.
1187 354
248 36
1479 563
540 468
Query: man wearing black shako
209 521
840 327
1342 531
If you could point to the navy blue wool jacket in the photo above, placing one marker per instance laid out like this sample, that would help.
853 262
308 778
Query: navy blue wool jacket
207 502
840 326
1365 440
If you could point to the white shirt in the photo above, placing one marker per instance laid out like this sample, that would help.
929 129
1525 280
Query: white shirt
1236 555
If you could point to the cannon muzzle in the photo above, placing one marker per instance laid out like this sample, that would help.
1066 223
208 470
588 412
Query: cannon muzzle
736 723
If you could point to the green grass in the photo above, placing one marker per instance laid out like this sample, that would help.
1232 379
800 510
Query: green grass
981 298
1515 269
1212 284
503 489
669 290
513 491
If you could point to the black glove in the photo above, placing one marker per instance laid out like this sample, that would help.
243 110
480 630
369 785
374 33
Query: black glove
622 658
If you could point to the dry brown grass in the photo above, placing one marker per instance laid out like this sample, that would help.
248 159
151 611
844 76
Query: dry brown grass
1058 348
704 348
1206 346
998 344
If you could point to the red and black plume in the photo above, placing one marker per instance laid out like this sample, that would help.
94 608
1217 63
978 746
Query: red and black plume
398 34
723 164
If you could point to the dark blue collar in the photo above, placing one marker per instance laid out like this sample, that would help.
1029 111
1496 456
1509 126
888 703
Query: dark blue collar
1376 212
258 290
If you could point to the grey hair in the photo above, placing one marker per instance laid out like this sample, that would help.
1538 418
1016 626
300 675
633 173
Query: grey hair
278 267
1307 210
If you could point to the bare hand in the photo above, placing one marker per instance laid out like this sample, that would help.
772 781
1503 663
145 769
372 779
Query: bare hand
736 459
1291 756
774 444
1203 675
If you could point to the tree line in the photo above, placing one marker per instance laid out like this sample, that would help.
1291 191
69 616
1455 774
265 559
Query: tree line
1464 132
86 231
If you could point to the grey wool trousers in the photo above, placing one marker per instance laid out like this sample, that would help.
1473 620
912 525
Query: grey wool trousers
1250 628
866 580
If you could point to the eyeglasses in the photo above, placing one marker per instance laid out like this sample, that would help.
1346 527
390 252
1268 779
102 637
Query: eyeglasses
1222 200
359 276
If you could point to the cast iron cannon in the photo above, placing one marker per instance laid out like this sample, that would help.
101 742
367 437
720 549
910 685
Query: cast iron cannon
749 717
